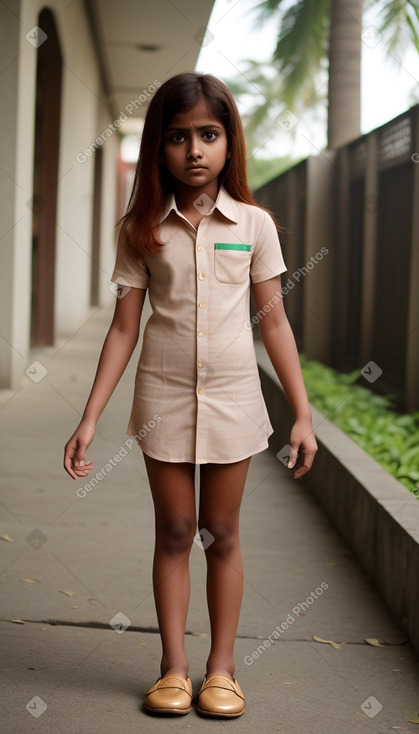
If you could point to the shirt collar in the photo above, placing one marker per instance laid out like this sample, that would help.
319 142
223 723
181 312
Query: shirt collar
225 204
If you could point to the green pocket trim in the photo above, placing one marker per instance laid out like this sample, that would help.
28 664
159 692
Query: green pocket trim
231 246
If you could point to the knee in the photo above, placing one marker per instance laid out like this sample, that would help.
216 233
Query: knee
222 538
176 537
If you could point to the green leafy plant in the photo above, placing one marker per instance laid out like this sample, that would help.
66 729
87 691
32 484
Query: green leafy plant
371 420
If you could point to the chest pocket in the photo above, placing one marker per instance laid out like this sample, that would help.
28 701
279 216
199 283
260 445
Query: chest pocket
232 262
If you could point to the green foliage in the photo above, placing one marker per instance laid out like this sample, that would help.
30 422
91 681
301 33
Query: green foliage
302 45
391 438
399 24
304 38
259 88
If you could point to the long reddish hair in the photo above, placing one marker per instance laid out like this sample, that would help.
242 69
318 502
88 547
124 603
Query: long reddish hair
153 182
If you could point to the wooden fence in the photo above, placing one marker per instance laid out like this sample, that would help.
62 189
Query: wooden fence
350 237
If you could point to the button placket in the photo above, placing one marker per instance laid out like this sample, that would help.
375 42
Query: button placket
202 294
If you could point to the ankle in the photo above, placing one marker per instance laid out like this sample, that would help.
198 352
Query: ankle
175 667
224 668
175 672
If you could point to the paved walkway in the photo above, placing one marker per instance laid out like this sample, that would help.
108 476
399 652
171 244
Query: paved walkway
66 670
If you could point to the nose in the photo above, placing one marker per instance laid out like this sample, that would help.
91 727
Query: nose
194 150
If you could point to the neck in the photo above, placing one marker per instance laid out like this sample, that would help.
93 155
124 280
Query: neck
186 195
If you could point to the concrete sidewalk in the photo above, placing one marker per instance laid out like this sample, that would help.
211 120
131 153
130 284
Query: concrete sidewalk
87 560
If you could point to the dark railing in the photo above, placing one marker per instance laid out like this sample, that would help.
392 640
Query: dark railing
356 300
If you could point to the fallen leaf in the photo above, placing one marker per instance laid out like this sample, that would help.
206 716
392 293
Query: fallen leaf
17 621
336 645
373 642
109 709
6 537
74 606
415 720
67 593
200 634
398 670
143 643
92 601
31 581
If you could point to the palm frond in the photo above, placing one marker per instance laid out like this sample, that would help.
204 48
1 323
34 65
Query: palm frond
302 45
268 7
399 24
260 120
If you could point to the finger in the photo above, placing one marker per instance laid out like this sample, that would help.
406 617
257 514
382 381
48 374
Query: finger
83 470
69 468
80 456
69 450
308 462
293 456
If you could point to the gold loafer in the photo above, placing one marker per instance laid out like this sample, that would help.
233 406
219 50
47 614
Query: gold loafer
171 694
219 696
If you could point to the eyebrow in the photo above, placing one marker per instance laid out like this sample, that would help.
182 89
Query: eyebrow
186 129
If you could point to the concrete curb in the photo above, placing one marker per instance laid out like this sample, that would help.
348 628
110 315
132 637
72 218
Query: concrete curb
378 516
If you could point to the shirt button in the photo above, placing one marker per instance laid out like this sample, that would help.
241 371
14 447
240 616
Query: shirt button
202 305
200 248
201 333
200 364
201 276
201 392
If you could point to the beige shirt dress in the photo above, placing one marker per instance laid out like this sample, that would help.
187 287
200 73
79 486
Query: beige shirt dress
197 394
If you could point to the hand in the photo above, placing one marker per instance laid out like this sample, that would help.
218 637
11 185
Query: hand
302 435
75 450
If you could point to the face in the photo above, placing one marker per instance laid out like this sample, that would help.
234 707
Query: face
195 146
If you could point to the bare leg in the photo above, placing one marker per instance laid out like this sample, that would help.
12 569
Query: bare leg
173 491
221 493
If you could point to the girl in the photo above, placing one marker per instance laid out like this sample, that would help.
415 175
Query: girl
195 238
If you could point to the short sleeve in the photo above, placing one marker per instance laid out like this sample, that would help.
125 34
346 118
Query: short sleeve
267 259
128 270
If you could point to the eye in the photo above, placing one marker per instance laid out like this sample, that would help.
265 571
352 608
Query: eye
210 135
178 137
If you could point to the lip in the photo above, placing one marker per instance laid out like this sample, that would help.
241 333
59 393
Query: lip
196 168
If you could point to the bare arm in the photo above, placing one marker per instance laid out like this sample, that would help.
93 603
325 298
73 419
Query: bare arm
116 352
280 345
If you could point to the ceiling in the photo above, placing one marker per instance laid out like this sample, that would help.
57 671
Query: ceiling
140 42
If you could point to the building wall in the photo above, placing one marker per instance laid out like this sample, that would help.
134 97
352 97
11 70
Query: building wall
15 187
84 115
110 214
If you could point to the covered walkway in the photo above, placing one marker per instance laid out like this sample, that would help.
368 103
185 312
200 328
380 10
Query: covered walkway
80 645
